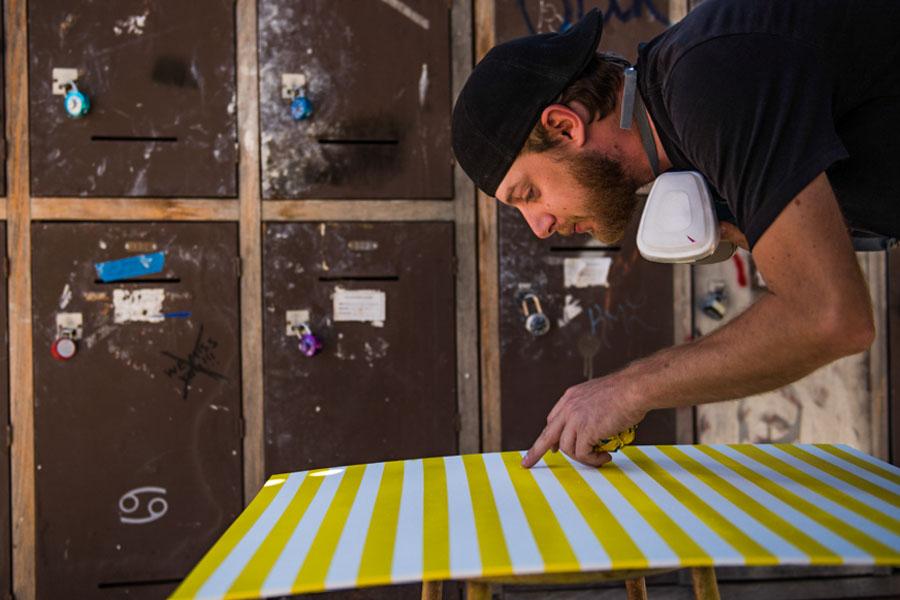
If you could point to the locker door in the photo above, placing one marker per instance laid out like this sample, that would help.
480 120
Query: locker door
137 403
160 80
377 76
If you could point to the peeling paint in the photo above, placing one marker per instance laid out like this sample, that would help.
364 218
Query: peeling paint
133 25
571 309
138 306
409 13
423 84
65 297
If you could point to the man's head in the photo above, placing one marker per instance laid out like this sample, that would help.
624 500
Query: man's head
537 126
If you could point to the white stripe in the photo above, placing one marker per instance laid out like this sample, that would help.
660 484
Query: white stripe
869 459
465 556
409 13
835 510
889 486
281 577
407 564
588 551
833 482
821 534
705 537
223 577
523 551
645 537
775 544
344 567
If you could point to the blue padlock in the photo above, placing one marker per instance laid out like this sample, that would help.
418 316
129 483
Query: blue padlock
309 344
77 104
301 107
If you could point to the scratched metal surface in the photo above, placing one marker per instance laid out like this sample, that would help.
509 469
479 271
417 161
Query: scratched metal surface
5 490
161 79
142 405
378 77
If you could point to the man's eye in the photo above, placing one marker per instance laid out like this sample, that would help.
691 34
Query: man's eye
529 195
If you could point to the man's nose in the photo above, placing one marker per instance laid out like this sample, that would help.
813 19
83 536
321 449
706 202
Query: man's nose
541 223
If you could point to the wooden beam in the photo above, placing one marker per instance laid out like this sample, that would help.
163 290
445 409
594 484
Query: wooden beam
133 209
683 313
488 271
251 249
358 210
876 271
465 215
21 387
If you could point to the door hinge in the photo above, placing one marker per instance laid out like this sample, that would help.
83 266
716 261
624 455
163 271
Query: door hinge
242 428
238 267
8 434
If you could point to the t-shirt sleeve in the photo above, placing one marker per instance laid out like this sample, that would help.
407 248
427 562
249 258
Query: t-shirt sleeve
753 112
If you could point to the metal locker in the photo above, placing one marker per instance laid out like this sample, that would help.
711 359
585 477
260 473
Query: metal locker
137 403
157 82
571 310
5 439
355 99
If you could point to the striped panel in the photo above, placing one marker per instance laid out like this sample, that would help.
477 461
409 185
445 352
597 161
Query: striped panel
460 517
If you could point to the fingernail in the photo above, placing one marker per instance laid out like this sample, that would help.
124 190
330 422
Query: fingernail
525 459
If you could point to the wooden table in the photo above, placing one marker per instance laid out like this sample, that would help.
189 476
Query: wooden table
485 520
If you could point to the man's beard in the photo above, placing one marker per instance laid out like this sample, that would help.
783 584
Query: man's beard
610 195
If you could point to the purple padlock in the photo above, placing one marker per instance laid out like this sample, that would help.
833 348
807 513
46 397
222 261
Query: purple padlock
309 344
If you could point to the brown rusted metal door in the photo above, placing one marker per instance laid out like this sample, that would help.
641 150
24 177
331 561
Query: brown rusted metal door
377 75
5 439
160 79
380 297
138 435
606 306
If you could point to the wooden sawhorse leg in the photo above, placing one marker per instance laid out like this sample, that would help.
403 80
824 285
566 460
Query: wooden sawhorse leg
477 590
636 588
705 585
432 590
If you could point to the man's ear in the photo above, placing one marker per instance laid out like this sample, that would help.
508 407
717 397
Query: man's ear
564 122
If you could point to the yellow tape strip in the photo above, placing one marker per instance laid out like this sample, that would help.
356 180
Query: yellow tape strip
436 521
315 568
862 464
495 558
623 551
231 538
750 549
378 551
837 496
687 550
746 503
881 553
251 579
551 540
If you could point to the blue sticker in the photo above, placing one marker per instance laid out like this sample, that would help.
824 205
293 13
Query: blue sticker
178 314
131 267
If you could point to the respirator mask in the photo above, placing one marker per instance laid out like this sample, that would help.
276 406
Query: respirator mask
679 222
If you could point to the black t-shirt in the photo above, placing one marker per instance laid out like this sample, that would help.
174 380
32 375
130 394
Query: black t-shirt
763 95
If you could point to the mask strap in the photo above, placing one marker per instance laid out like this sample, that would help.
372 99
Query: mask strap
633 103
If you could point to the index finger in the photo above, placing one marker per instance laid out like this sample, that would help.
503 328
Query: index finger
548 439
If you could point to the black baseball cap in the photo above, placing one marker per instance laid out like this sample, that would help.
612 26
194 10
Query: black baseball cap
507 91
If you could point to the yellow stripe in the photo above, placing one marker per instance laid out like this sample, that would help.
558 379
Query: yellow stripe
752 551
231 538
250 581
622 550
845 500
862 464
378 551
436 521
882 554
842 474
746 503
311 577
551 540
687 550
491 542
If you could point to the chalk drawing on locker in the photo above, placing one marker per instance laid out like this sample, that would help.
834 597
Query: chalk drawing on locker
200 361
131 501
555 16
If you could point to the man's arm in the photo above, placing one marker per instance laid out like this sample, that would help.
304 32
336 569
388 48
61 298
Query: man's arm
817 310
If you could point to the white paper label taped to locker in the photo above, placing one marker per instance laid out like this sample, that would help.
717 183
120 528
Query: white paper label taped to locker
367 306
139 306
587 272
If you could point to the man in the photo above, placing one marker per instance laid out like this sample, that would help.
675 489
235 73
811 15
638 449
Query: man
791 111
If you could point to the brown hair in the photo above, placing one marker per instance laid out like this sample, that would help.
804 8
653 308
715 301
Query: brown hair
596 88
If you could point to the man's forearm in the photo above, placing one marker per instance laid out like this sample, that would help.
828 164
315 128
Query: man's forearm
768 346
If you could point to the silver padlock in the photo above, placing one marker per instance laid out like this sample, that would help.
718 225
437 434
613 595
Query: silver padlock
536 322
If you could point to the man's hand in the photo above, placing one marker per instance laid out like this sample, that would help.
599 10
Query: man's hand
587 413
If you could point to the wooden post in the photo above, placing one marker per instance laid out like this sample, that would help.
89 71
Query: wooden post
636 588
477 590
432 590
705 585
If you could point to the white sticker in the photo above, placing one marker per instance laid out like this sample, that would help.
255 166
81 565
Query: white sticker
139 306
586 272
293 319
360 305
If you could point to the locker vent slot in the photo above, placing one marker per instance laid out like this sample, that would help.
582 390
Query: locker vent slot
120 584
361 278
359 142
132 138
580 249
157 281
